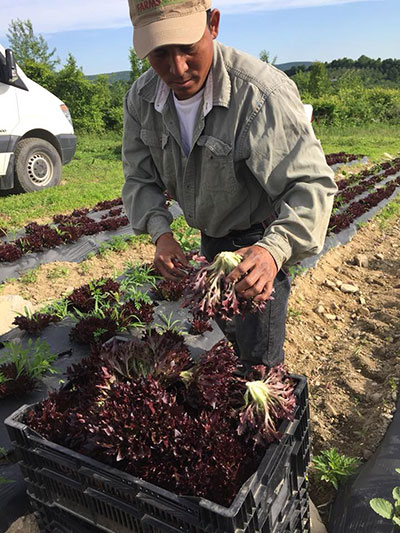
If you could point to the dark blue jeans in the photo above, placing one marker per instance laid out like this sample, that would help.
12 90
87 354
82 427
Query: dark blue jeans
257 337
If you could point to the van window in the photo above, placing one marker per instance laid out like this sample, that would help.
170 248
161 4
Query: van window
3 75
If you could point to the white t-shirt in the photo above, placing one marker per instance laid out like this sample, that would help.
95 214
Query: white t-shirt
187 113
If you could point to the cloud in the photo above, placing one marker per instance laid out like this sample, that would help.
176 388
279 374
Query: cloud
57 16
236 6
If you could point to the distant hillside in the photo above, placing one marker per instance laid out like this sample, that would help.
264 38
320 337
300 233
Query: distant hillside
287 66
123 75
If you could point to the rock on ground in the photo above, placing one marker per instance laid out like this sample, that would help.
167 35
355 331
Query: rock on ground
25 524
316 523
10 306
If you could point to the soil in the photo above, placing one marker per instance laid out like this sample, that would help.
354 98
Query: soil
348 343
343 333
53 280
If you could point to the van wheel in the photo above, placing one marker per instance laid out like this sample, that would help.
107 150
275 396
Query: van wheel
37 165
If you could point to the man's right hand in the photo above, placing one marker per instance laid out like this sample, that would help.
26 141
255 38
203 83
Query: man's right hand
168 249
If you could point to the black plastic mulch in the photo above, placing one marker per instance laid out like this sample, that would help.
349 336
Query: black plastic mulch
376 479
74 253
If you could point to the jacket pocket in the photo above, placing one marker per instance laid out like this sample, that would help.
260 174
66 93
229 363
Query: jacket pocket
216 147
218 172
152 138
157 142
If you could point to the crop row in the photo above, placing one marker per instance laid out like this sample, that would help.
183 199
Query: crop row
105 307
342 220
69 228
342 158
364 181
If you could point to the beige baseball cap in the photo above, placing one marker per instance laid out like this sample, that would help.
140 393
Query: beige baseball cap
163 22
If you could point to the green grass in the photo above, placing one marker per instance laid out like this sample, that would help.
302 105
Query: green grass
94 175
372 140
390 211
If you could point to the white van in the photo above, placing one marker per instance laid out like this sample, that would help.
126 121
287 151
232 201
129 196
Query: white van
36 132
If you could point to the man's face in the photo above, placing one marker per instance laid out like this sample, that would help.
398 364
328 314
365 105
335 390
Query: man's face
184 68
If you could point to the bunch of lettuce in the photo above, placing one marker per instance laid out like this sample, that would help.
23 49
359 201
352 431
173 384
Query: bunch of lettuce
210 294
146 407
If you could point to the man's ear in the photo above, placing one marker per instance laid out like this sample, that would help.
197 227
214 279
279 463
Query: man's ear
214 23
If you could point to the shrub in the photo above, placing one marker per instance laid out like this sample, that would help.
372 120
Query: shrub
83 98
352 105
326 109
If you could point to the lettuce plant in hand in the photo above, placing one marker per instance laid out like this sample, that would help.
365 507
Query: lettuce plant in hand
210 294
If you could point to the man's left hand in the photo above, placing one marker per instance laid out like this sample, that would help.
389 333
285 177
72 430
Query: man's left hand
261 271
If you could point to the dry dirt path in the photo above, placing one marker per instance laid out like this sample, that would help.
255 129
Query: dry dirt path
348 343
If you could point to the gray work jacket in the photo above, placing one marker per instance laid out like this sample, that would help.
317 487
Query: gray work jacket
253 155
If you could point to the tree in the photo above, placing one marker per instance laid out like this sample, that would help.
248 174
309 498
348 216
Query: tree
302 80
391 69
28 47
41 74
114 115
138 66
319 81
264 56
344 62
84 99
366 62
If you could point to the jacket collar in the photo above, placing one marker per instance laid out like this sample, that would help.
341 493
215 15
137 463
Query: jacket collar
222 82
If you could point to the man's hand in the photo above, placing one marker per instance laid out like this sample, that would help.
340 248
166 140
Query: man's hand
261 268
168 249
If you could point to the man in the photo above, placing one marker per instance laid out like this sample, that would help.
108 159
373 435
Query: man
227 136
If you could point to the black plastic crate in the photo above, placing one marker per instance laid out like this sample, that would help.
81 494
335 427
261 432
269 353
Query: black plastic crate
65 483
55 520
52 519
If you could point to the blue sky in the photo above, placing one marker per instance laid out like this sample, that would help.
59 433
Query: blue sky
98 33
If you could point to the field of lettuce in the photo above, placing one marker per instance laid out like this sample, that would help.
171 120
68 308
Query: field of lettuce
182 400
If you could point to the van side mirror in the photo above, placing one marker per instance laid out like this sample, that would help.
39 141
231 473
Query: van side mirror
11 67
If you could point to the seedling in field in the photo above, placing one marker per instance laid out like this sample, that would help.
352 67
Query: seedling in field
294 314
116 244
188 238
393 384
169 325
296 270
137 296
3 480
333 467
34 360
21 368
58 308
387 509
85 267
136 275
30 276
57 272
